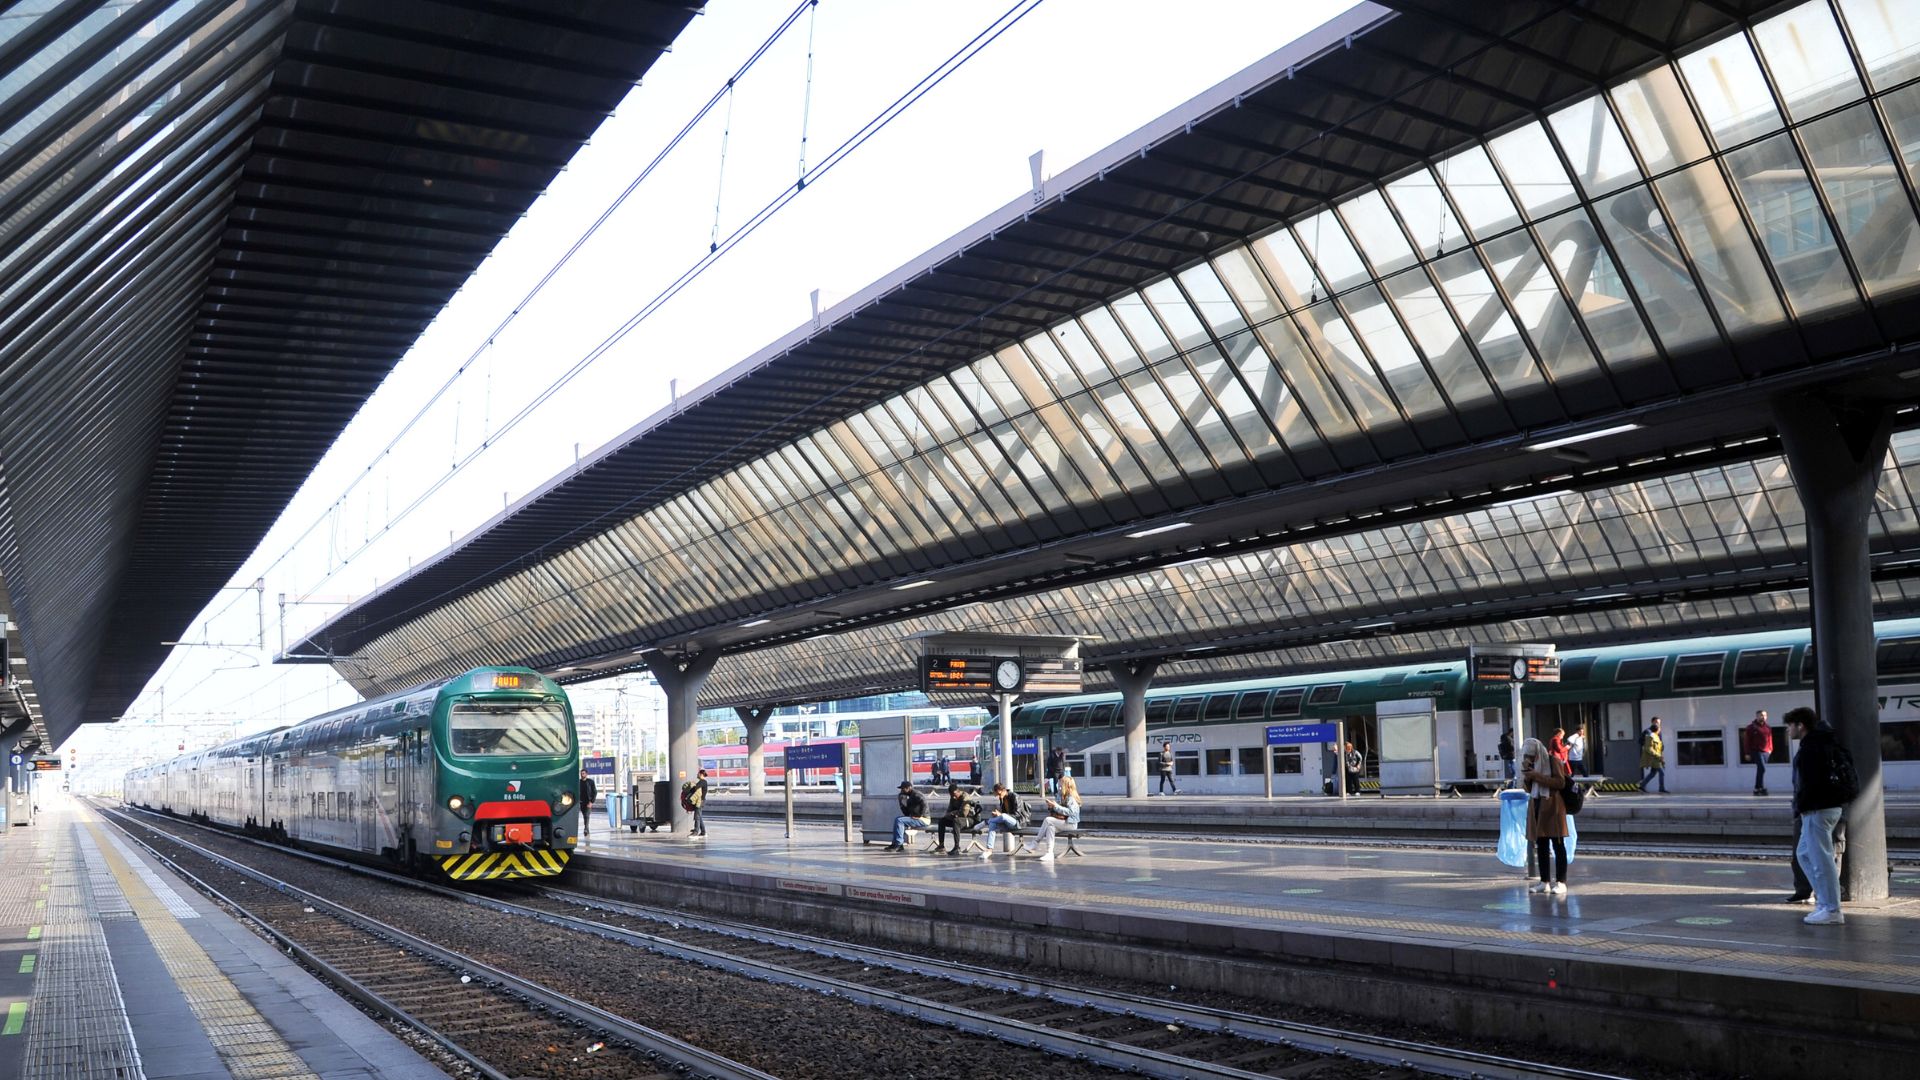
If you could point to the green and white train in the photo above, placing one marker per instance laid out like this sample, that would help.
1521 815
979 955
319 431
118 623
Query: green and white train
1704 689
475 778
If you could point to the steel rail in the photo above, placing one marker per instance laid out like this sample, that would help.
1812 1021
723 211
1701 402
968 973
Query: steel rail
1290 1035
711 1065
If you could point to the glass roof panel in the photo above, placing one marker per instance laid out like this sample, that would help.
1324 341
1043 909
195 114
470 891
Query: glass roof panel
1325 242
1782 203
1478 191
1530 286
1855 171
1654 110
1533 170
1425 212
1886 36
1731 92
1479 308
1659 276
1378 233
1715 234
1595 149
1808 59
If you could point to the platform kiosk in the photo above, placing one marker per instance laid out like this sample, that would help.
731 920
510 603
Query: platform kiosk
1003 667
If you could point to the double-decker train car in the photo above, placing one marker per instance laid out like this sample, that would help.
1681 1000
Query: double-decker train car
474 778
726 763
1705 690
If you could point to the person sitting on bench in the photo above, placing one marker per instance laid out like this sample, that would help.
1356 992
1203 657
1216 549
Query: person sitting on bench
1064 814
1006 819
961 816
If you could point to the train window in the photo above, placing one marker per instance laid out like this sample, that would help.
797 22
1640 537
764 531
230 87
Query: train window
1393 678
1077 716
776 761
1644 669
1286 759
1287 703
1701 671
1899 741
1120 764
1219 707
1253 705
1899 656
1186 762
1157 710
1326 695
1076 764
1702 746
1102 715
1250 760
1186 710
1806 664
1101 765
1578 669
1219 762
483 728
1050 718
1761 667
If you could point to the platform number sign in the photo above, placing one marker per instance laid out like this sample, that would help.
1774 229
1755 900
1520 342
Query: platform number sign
16 760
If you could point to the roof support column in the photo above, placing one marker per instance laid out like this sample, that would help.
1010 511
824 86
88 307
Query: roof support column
1133 677
680 679
755 717
1836 451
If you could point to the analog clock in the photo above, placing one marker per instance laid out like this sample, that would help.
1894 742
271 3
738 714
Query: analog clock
1006 675
1520 669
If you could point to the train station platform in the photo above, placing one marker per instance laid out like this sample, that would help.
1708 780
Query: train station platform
1734 820
1683 956
111 969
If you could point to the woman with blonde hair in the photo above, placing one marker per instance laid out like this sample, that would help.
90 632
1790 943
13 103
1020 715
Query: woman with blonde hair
1064 814
1545 778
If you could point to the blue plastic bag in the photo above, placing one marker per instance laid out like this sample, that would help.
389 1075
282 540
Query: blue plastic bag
1573 837
1513 827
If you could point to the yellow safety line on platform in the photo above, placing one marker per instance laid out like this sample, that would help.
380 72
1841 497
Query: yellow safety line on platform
246 1043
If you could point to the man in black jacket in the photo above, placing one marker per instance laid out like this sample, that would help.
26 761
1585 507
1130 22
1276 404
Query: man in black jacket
588 792
1822 786
913 815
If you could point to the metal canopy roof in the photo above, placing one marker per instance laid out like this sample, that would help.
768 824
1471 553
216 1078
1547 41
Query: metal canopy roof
224 222
1566 223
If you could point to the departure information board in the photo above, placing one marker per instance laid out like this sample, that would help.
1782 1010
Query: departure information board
971 674
1507 668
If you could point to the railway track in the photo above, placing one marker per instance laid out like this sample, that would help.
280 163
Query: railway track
1105 1030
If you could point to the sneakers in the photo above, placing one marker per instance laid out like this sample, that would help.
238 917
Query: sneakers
1559 888
985 853
894 847
1048 857
1823 917
1539 886
942 850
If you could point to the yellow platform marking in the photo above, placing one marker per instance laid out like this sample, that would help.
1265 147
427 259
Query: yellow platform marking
504 866
246 1043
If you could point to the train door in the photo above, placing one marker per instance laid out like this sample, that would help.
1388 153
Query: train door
408 816
1619 743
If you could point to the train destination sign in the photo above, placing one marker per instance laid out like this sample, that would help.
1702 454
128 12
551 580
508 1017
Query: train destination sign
823 756
1289 734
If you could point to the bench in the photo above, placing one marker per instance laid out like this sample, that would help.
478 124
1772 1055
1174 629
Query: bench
1069 835
1486 785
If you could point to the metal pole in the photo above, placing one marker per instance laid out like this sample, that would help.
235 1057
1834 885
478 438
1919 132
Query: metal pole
1340 757
1266 767
788 785
846 797
1006 740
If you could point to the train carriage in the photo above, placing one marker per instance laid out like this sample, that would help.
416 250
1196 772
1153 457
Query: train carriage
474 778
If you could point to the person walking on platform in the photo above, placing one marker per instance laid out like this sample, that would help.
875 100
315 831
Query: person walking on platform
1653 757
1557 746
1545 778
1356 763
1166 769
1577 751
1506 752
942 772
1006 818
913 815
1757 739
1061 814
1824 782
960 815
588 792
1056 768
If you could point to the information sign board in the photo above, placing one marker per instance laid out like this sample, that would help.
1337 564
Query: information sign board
597 767
943 674
1288 734
823 756
46 764
1506 668
1025 746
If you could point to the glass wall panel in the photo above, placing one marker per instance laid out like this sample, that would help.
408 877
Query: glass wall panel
1595 149
1854 168
1470 178
1326 243
1432 327
1596 289
1257 372
1522 273
1325 330
1731 93
1424 210
1533 169
1792 225
1886 35
1373 320
1046 355
1131 426
1166 418
1283 342
1808 60
1714 233
1487 321
1106 444
1658 119
1645 244
1379 235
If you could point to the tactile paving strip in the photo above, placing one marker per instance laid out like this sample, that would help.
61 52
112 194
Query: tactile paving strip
177 905
76 1021
247 1044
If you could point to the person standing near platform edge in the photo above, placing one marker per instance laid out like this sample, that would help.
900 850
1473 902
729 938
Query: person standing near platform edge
1824 782
1506 752
1545 778
1757 739
1166 769
588 792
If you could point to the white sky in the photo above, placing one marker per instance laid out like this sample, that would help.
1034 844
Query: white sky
1069 78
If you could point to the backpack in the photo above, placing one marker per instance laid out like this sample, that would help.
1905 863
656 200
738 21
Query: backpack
1025 816
1573 797
686 797
1842 779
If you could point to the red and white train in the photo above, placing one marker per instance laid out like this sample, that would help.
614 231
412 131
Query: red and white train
726 763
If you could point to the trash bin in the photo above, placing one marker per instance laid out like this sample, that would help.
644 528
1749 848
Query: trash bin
1513 827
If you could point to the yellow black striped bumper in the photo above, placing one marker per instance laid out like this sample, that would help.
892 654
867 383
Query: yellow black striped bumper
504 865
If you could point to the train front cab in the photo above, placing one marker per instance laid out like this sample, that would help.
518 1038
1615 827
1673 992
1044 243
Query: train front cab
505 778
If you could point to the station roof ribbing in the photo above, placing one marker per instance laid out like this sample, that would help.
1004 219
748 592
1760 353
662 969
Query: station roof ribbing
1344 291
224 221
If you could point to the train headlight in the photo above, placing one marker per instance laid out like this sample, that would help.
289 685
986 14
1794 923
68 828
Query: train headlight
566 799
455 802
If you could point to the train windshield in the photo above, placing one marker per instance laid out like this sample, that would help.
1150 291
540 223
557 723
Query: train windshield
509 728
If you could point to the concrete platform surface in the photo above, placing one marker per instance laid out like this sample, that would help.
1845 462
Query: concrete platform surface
110 967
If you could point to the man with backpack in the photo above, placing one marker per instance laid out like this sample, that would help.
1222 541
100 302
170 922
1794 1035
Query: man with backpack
1824 782
1757 739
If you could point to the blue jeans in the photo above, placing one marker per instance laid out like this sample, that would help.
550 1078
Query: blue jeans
1653 771
902 823
1759 771
1815 856
1507 763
